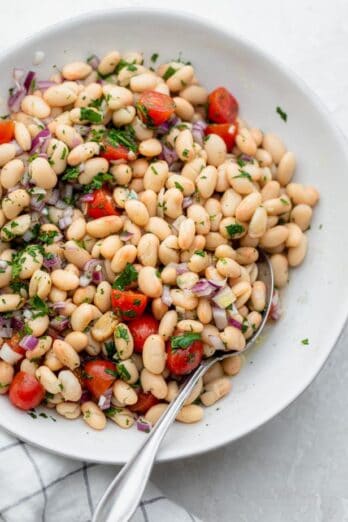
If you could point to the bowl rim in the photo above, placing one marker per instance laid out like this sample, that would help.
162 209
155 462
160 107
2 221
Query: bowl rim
205 24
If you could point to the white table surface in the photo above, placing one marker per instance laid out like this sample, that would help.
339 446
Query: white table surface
294 469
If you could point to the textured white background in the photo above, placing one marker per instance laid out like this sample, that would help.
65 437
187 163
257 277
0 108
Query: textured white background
294 469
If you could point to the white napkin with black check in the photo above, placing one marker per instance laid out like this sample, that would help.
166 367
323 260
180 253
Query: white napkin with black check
36 486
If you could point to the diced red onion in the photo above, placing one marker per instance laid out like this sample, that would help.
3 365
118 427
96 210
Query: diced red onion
93 61
97 276
53 263
39 140
176 166
85 280
203 288
65 222
245 157
18 75
234 322
28 342
27 314
6 331
166 297
16 323
59 305
83 130
44 84
126 236
165 127
105 400
168 154
8 355
54 196
275 310
60 323
216 341
87 198
15 100
198 128
187 202
177 222
181 268
3 266
37 203
143 425
86 396
217 283
61 205
91 264
220 319
30 77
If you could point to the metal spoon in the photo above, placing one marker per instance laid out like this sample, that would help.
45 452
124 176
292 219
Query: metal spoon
122 497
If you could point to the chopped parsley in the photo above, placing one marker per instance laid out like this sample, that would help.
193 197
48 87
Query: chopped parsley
109 348
90 115
38 306
110 412
123 372
126 277
154 170
284 201
98 181
234 229
245 325
71 174
185 153
126 137
178 186
122 64
241 162
282 114
199 253
184 340
47 237
243 174
305 341
121 332
154 57
111 372
169 72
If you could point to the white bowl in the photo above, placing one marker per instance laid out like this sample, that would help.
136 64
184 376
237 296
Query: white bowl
315 303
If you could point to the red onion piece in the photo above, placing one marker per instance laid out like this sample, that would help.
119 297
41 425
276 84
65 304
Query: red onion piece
126 236
59 305
86 396
105 400
97 276
165 127
39 140
65 222
93 61
87 198
8 355
85 280
52 200
30 77
168 154
166 297
203 288
6 331
187 202
198 128
143 425
234 322
217 283
16 323
220 319
15 100
53 262
181 268
28 342
60 323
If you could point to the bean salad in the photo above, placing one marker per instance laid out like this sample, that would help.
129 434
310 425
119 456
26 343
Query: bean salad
134 204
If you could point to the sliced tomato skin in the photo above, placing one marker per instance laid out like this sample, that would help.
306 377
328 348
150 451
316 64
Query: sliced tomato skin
226 131
181 361
102 204
111 153
155 108
26 392
14 343
141 328
128 304
222 106
144 403
6 131
94 377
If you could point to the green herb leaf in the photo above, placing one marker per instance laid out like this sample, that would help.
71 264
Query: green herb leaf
98 181
126 137
121 333
47 237
154 57
305 341
178 186
282 114
243 174
38 306
199 253
126 277
234 229
184 340
123 372
111 372
71 174
169 72
90 115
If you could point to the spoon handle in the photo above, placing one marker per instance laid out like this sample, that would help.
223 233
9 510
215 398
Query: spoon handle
122 497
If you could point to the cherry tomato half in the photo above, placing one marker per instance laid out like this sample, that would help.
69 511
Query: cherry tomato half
181 361
141 328
145 402
6 131
111 153
25 391
155 108
102 204
98 376
222 106
226 131
128 304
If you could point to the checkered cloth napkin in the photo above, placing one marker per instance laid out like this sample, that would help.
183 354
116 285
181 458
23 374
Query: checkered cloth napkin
39 487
